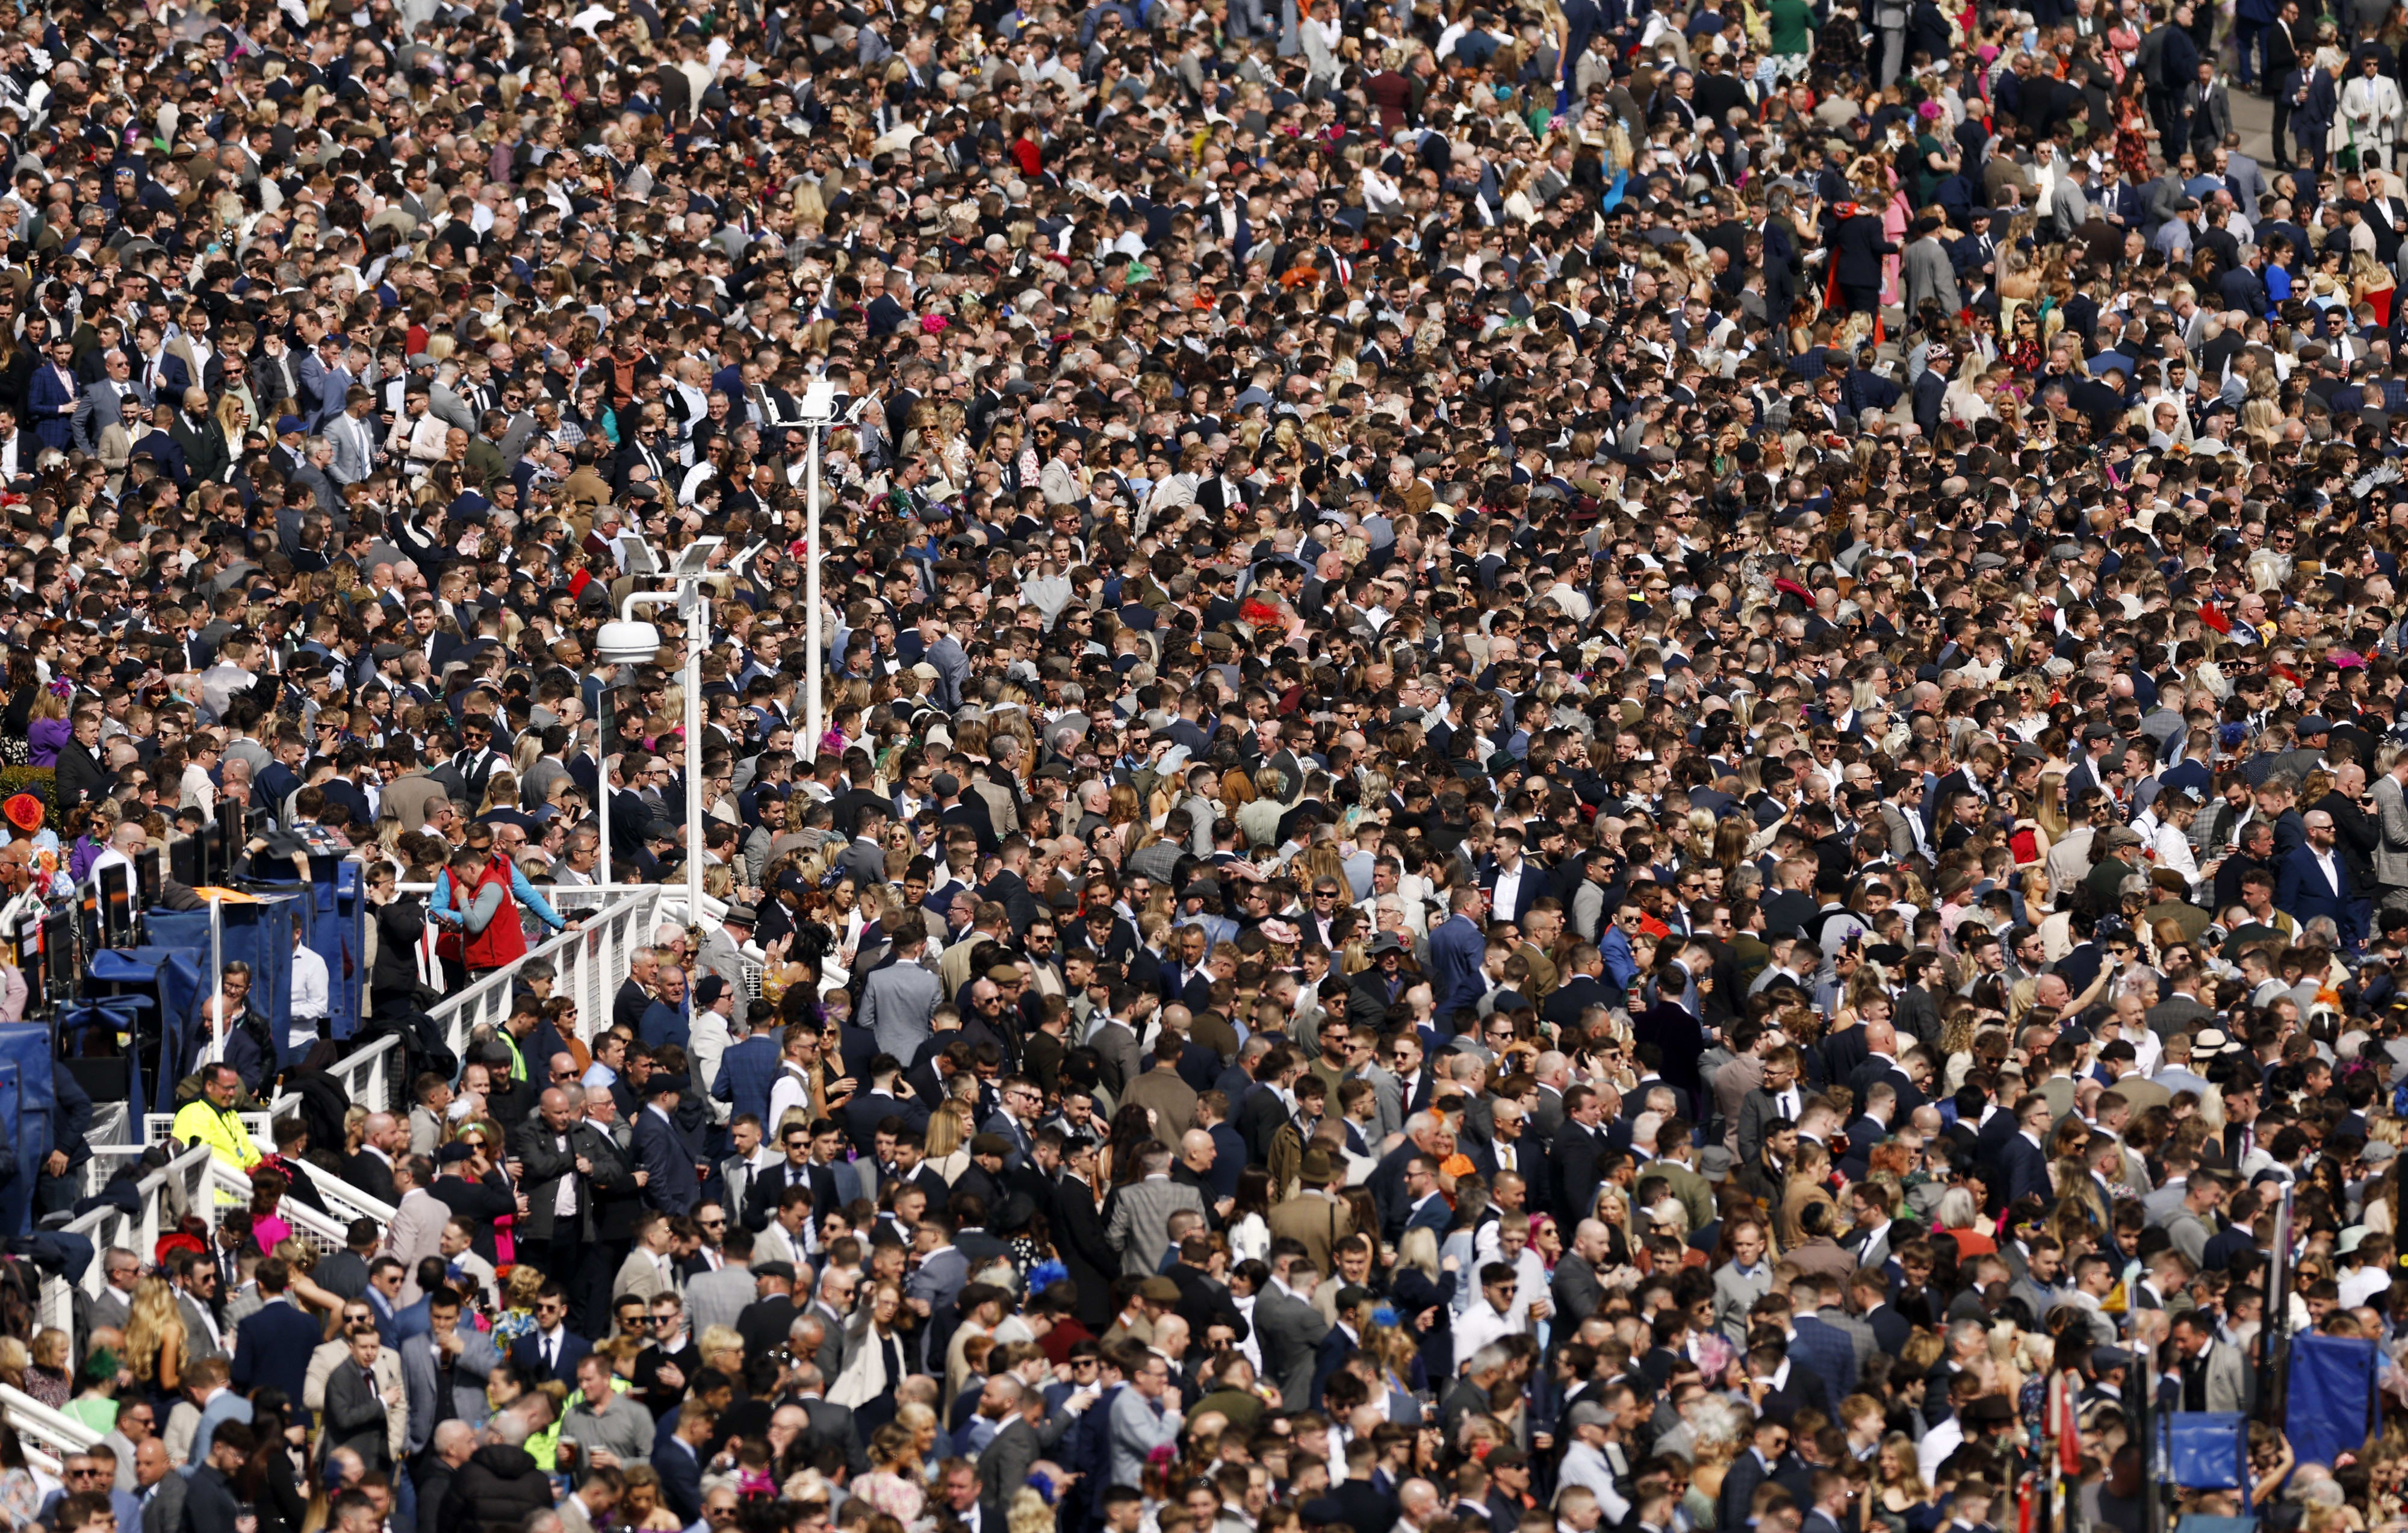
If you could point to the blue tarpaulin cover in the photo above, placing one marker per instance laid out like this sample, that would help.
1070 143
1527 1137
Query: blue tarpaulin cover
2333 1407
26 1096
2207 1450
256 932
165 980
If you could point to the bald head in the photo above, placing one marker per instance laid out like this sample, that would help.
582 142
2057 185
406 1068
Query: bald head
454 1440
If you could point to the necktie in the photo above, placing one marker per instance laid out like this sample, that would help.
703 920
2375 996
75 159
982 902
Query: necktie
550 1353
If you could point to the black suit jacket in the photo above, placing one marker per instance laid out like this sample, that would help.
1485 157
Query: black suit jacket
833 1425
77 778
1573 1170
1872 1070
209 1504
2026 1172
367 1171
1204 1303
1531 1163
1079 1234
1573 997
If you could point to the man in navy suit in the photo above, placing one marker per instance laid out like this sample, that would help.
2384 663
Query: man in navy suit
1431 1212
677 1456
1522 883
1829 1351
2024 1159
675 1184
552 1349
1891 1329
1585 987
1182 980
2313 881
1751 1469
1457 947
273 1345
748 1070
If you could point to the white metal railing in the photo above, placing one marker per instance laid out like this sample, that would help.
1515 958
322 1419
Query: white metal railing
103 1164
162 1198
49 1437
230 1189
587 965
344 1203
367 1075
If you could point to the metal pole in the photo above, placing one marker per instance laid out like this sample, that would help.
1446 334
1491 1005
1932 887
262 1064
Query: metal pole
2145 1433
696 621
602 778
2273 1349
812 726
217 978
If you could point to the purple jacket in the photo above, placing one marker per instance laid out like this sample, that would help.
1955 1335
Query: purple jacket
47 737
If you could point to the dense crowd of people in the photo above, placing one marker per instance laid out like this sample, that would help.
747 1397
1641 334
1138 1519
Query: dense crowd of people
1583 767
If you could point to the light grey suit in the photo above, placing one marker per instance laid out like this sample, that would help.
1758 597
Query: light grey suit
355 444
97 408
2391 852
109 1312
896 1005
2228 1379
1929 275
1140 1222
416 1232
468 1374
718 1297
1290 1331
2070 208
197 1345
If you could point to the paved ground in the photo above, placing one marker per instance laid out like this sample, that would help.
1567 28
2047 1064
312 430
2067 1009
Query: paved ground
2254 116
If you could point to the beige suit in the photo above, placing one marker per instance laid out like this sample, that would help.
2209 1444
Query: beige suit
643 1277
415 1234
1315 1219
1171 1099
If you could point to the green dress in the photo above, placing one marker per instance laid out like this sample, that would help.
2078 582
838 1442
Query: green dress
97 1412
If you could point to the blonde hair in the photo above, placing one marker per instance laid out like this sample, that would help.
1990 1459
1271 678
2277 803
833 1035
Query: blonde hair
946 1130
152 1321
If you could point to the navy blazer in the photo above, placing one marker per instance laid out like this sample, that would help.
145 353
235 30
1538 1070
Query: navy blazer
680 1474
674 1185
527 1357
2301 891
1829 1353
272 1346
746 1074
1533 888
2027 1167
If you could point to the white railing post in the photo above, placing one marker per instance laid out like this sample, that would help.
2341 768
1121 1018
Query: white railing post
48 1437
